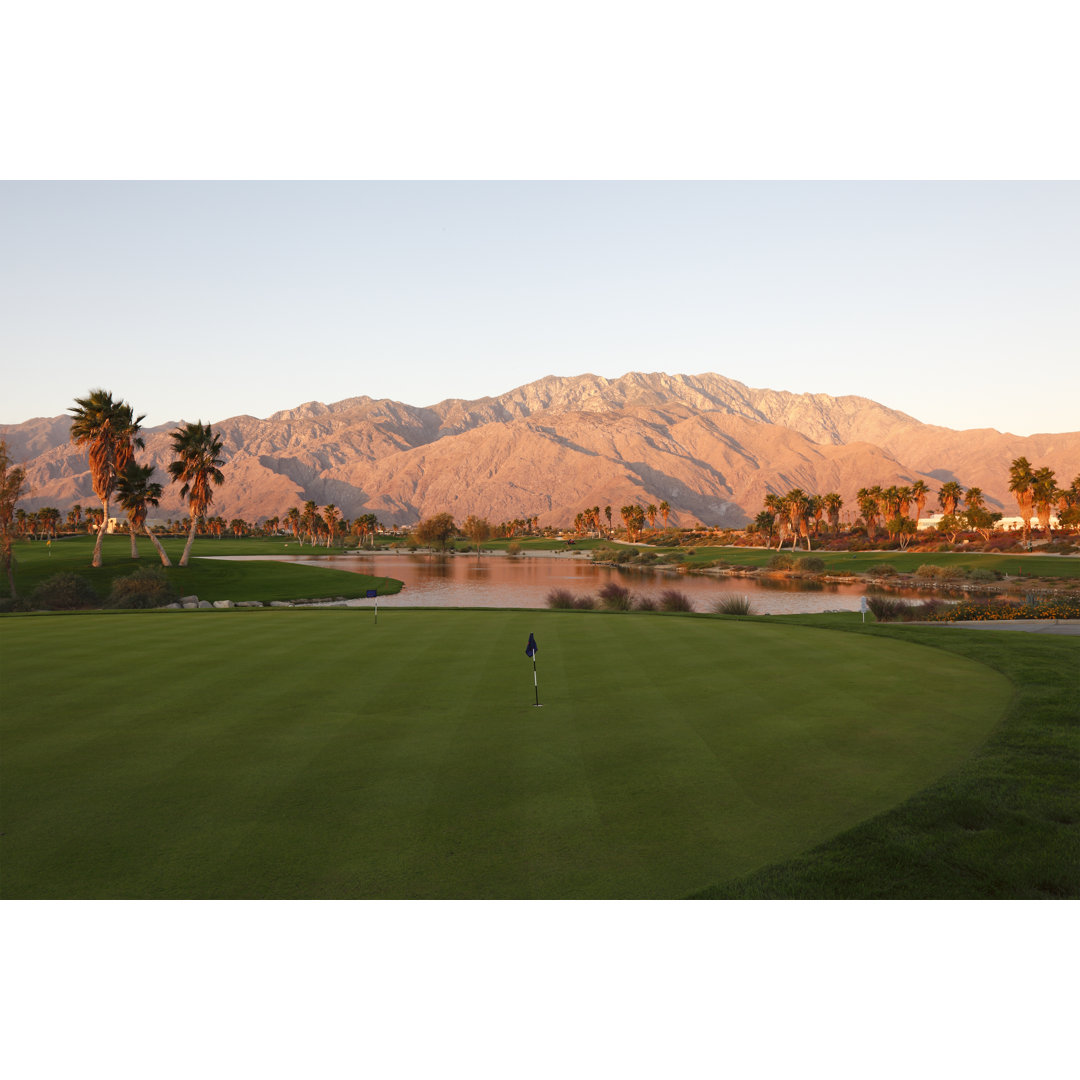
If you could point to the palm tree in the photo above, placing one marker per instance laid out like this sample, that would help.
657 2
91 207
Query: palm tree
292 521
136 493
331 516
832 503
919 491
1044 493
1021 478
796 504
868 507
310 520
973 499
650 513
198 455
110 432
949 497
765 523
664 511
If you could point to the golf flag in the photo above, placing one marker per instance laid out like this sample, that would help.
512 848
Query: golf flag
531 650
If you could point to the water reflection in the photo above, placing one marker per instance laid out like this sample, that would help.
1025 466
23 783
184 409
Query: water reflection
503 582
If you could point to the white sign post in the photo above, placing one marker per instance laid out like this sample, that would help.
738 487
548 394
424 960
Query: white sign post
862 607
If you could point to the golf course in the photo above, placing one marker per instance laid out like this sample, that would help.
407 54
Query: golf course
315 754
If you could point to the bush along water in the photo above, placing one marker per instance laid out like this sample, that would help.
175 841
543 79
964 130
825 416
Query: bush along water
733 605
986 611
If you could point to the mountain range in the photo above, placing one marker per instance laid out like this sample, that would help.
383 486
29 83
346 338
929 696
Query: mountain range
711 447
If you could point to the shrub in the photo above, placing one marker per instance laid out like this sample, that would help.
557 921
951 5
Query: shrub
930 572
733 605
882 570
886 608
18 603
673 600
615 597
560 598
981 573
64 592
584 603
513 548
812 564
645 603
147 587
782 561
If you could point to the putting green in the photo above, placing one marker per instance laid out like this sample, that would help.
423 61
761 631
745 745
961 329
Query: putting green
313 754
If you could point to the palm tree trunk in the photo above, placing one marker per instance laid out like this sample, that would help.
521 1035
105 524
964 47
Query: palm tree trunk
157 547
190 541
134 545
96 560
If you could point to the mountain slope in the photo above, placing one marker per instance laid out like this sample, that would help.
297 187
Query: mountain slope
710 446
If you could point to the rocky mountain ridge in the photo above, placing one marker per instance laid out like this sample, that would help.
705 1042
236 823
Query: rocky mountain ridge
710 446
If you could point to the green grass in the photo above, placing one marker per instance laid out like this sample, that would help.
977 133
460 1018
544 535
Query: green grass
1004 824
312 754
202 577
904 562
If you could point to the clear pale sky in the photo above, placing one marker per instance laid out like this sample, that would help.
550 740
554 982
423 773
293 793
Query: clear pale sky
956 302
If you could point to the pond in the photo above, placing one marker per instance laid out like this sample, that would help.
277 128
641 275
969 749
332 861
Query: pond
500 581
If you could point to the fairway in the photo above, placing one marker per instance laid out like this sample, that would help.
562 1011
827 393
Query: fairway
312 754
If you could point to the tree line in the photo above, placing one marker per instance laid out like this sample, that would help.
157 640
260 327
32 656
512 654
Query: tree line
896 510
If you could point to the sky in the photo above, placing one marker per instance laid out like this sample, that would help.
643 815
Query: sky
955 302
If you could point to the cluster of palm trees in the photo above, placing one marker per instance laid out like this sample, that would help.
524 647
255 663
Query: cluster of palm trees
321 526
896 510
1038 495
518 526
634 516
797 515
109 430
43 523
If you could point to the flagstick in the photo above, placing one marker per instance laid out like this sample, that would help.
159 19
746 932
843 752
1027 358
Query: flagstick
536 685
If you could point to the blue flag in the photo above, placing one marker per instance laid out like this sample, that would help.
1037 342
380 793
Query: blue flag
532 648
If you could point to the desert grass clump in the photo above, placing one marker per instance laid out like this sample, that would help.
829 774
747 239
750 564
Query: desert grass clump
782 561
616 597
65 592
886 608
560 599
645 603
584 603
733 605
673 600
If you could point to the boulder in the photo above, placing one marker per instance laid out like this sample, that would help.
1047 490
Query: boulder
223 603
205 604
